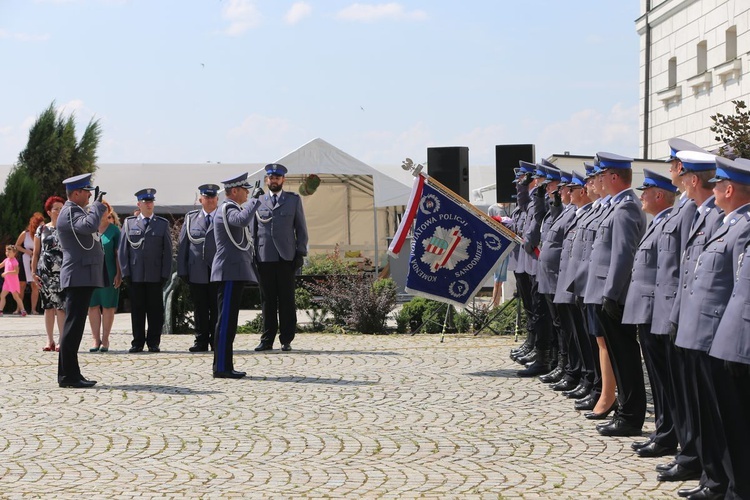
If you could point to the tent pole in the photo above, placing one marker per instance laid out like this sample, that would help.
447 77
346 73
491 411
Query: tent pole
377 256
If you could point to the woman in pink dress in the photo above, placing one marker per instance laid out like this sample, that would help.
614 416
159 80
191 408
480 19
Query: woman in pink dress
11 284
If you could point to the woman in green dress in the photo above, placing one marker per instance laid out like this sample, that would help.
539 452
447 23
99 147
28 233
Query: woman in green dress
104 300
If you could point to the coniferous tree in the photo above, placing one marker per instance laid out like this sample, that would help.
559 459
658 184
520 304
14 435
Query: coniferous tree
18 203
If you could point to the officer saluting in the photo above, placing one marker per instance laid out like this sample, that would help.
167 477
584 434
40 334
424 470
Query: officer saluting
145 256
232 268
195 254
82 270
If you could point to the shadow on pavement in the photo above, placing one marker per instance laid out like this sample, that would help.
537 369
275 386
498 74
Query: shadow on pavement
163 389
497 373
318 352
299 380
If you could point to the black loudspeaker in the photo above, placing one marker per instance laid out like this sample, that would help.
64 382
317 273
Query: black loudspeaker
506 159
450 166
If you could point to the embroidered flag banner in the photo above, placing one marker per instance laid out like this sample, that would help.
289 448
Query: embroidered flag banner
454 248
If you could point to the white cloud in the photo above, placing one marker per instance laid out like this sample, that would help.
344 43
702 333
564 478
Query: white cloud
588 131
22 37
376 12
298 12
264 136
242 16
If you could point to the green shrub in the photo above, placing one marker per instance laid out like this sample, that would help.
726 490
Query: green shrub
255 325
327 264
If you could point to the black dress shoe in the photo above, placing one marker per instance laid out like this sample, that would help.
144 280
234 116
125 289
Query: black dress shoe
536 368
529 357
264 347
686 492
552 377
154 349
232 374
580 391
135 349
198 348
587 403
678 473
705 494
665 467
564 385
592 415
286 347
655 450
78 384
620 427
637 445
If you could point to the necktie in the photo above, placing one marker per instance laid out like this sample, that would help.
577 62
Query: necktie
275 200
208 220
146 221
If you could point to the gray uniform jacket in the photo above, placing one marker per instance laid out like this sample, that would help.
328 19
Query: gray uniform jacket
196 249
562 295
145 253
279 232
548 268
532 232
672 242
580 252
234 245
708 221
83 255
732 339
613 252
706 295
518 216
639 303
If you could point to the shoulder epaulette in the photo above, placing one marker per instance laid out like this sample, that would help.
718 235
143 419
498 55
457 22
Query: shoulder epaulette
159 217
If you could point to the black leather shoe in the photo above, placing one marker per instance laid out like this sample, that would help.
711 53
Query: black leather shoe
587 403
655 450
592 415
286 347
135 349
536 368
665 467
232 374
580 391
705 494
154 349
619 427
637 445
529 357
198 348
678 473
78 384
564 385
686 492
552 377
264 347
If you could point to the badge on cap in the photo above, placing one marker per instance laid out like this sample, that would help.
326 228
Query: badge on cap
276 169
147 194
209 190
239 181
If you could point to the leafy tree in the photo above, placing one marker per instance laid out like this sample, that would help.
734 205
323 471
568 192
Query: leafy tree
18 203
53 153
733 130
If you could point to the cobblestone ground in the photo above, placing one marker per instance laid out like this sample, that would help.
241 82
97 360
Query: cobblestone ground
340 416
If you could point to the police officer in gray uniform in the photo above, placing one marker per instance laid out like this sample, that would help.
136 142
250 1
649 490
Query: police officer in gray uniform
611 262
516 263
195 254
280 235
82 270
232 268
145 256
703 301
657 199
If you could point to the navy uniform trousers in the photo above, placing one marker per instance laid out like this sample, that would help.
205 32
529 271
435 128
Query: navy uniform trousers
77 299
228 300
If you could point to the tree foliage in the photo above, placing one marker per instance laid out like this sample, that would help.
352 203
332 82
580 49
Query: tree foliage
733 130
53 153
18 203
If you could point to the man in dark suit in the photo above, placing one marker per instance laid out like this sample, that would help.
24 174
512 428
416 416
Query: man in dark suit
82 270
609 271
195 254
657 200
145 256
280 236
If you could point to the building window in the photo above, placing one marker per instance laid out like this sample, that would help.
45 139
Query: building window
672 73
732 43
702 57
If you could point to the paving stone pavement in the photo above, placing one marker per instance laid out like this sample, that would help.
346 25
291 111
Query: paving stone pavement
340 416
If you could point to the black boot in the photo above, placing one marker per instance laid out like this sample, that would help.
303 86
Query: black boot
540 365
528 358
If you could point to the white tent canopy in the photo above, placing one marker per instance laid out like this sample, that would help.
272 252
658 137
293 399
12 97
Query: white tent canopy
352 196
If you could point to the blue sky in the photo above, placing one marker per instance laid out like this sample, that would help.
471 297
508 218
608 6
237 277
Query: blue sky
249 81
